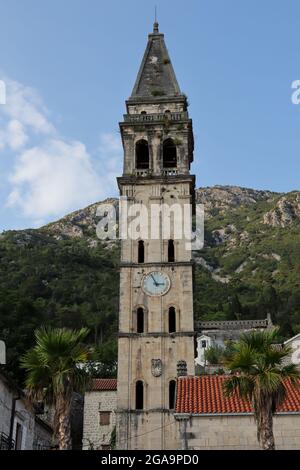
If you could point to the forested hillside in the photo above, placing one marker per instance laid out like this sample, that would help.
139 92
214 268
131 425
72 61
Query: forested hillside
62 275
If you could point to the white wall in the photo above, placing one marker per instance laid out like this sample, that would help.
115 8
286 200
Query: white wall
239 432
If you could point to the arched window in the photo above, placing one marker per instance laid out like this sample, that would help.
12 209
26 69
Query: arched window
172 320
140 320
172 389
169 154
139 395
142 155
141 252
171 251
143 112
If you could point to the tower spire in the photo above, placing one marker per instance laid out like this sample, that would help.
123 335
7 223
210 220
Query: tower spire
156 77
155 24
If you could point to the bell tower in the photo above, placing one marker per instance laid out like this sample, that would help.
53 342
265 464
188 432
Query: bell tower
156 328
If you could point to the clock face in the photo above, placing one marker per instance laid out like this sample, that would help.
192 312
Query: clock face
156 283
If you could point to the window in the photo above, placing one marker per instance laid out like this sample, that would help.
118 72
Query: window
171 251
203 343
19 435
169 154
140 320
143 112
172 320
141 252
142 155
139 395
172 389
104 418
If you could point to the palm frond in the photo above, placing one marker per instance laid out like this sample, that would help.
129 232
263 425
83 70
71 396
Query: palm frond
240 384
53 364
260 339
242 360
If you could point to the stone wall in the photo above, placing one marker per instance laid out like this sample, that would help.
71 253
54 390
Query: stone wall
238 432
148 430
94 435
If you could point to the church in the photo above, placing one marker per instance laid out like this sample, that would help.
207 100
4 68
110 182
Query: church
157 401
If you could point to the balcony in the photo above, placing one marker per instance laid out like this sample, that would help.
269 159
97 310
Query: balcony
144 172
170 171
149 172
161 117
5 443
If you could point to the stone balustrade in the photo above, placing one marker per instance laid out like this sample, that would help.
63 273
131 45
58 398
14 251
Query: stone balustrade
149 172
156 117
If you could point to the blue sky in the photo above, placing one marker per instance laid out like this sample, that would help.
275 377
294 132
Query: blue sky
69 66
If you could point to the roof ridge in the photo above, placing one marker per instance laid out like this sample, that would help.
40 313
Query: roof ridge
104 384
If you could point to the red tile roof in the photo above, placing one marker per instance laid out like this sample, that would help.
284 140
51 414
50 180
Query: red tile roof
102 385
204 394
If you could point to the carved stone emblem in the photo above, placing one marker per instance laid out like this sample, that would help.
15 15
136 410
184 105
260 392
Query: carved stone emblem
156 367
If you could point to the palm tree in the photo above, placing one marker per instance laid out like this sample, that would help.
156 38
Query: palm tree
54 373
260 370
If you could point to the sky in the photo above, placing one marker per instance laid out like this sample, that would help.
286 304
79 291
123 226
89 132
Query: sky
68 67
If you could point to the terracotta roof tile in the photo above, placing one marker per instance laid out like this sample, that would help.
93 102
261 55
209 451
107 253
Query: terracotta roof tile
204 394
104 384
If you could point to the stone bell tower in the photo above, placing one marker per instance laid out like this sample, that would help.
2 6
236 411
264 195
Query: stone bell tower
156 329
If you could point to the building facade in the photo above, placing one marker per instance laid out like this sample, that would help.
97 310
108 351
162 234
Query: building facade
294 345
99 420
156 329
209 420
220 333
203 417
20 426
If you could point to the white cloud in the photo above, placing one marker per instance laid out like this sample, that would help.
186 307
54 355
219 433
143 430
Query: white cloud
16 135
13 135
53 179
22 115
24 104
58 177
52 175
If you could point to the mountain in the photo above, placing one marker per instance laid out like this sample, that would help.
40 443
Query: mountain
63 275
251 260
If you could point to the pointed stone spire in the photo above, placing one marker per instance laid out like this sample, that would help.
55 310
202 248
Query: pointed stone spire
156 78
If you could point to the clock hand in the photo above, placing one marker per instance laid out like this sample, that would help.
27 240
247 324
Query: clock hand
154 280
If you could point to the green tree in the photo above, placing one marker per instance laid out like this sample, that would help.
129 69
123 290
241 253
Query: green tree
214 354
259 371
54 373
234 308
